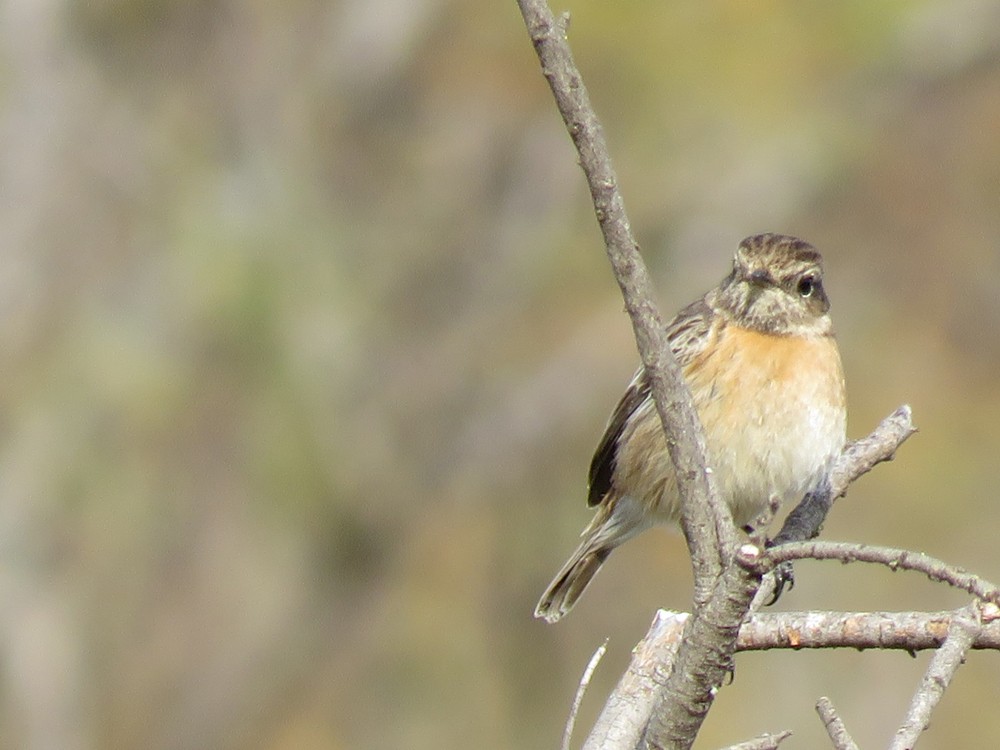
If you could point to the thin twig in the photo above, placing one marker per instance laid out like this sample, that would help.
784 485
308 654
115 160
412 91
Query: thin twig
580 690
945 662
891 557
764 742
835 728
865 454
627 709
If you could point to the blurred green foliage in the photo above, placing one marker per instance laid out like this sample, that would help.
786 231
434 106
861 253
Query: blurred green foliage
308 337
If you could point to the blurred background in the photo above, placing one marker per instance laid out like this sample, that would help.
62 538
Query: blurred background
308 335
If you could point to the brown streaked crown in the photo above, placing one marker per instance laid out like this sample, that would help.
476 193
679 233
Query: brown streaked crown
776 287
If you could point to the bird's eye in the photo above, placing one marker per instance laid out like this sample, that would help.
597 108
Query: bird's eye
806 286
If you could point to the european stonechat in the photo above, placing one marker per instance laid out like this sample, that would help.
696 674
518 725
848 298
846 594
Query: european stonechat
759 356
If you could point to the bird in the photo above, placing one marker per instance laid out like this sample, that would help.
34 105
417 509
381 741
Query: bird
760 358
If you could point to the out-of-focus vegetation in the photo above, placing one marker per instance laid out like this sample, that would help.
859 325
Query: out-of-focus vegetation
307 338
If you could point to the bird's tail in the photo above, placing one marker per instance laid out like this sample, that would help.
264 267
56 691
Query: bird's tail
615 523
571 581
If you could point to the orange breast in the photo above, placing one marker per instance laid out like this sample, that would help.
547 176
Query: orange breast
773 409
774 413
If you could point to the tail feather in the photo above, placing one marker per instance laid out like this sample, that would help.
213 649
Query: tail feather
618 519
571 581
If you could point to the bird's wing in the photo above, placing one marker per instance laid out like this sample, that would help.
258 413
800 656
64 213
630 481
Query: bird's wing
688 336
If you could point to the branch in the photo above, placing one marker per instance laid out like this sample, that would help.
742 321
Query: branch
580 690
725 581
856 460
722 589
705 658
705 520
764 742
627 709
964 628
893 558
907 631
630 705
834 726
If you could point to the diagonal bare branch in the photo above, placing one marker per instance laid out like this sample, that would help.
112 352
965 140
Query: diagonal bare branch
706 653
835 728
964 627
764 742
580 690
706 521
627 710
856 460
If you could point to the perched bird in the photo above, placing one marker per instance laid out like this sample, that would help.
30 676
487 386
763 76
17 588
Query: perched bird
759 356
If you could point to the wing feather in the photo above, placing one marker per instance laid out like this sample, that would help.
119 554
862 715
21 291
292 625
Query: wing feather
688 335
